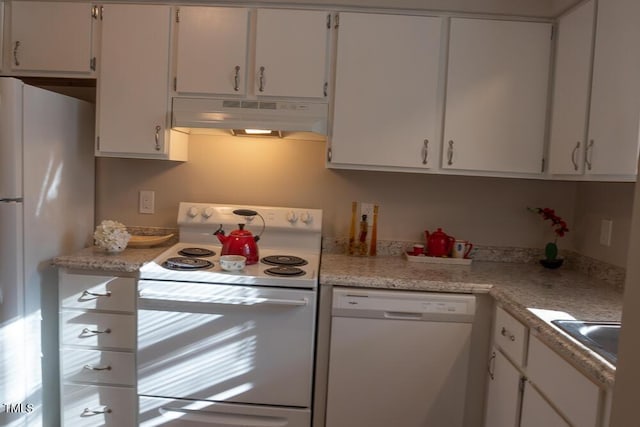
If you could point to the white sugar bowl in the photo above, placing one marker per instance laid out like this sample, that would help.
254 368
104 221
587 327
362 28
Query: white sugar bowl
232 262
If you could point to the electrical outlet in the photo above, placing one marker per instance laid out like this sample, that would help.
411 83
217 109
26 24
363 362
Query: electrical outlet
606 226
147 202
366 209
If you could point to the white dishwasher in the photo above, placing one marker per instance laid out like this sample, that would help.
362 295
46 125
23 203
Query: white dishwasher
398 358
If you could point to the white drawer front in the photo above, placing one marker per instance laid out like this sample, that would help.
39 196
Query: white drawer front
97 292
86 405
577 398
511 336
98 330
100 367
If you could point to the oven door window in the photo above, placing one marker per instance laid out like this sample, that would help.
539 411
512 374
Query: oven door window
224 343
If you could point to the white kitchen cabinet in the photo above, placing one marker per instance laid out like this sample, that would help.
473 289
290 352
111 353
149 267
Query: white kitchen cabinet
1 36
291 53
571 90
537 412
496 98
386 92
133 84
578 399
614 119
503 393
213 52
97 349
52 37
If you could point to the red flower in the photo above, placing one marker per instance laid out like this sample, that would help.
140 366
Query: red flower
558 224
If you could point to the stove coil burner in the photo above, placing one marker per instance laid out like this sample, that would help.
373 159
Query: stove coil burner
284 260
285 271
196 252
187 263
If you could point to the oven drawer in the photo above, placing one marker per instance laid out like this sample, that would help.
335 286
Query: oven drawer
100 367
98 330
240 344
88 292
90 406
154 411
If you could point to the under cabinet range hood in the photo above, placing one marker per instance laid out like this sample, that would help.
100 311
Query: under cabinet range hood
196 115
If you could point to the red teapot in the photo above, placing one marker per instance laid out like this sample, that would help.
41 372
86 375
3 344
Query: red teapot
241 241
439 244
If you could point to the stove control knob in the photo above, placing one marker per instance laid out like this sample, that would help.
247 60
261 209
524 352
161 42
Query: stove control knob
193 212
292 217
306 217
208 212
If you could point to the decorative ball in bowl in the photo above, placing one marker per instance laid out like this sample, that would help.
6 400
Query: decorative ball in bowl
232 262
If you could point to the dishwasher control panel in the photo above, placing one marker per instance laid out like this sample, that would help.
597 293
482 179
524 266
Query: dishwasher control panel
403 305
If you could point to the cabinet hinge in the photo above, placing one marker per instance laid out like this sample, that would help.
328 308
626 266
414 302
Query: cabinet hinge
97 143
177 15
326 89
92 63
521 385
336 21
329 21
94 12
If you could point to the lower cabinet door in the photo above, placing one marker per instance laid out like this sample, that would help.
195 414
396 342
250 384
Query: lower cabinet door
503 394
85 406
537 412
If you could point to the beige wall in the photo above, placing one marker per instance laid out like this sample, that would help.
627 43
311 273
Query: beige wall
487 211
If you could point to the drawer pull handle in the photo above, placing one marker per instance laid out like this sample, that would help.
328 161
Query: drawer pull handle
492 365
97 368
90 412
87 331
96 294
507 334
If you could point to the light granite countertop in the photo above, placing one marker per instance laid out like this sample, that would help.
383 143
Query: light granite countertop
516 287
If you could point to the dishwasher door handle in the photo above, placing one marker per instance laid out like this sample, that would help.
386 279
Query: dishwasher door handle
399 315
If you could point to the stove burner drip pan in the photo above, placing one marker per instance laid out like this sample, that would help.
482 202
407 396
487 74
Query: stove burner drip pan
285 271
284 260
196 252
187 263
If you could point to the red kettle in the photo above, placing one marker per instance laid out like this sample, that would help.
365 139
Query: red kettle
241 241
439 243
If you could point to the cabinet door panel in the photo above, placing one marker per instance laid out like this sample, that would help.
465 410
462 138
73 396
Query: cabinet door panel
291 46
497 88
134 79
537 412
386 91
503 394
212 42
615 97
571 90
51 36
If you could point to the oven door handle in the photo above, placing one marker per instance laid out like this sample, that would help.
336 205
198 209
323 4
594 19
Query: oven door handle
221 419
149 297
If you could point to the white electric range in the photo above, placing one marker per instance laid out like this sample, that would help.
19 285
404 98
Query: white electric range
230 348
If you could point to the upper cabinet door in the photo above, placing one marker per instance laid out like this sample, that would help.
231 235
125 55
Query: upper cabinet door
51 36
212 50
615 98
291 53
571 90
133 83
386 95
496 102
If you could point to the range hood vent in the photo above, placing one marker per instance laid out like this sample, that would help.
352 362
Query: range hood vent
191 114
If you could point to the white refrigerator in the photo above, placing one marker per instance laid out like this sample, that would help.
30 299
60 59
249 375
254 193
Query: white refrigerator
46 209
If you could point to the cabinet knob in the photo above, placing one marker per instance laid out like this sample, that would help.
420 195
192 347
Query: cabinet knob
505 333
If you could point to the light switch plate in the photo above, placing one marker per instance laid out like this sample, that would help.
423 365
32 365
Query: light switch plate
147 202
606 227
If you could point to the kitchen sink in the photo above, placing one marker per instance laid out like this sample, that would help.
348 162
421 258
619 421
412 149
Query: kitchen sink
600 337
